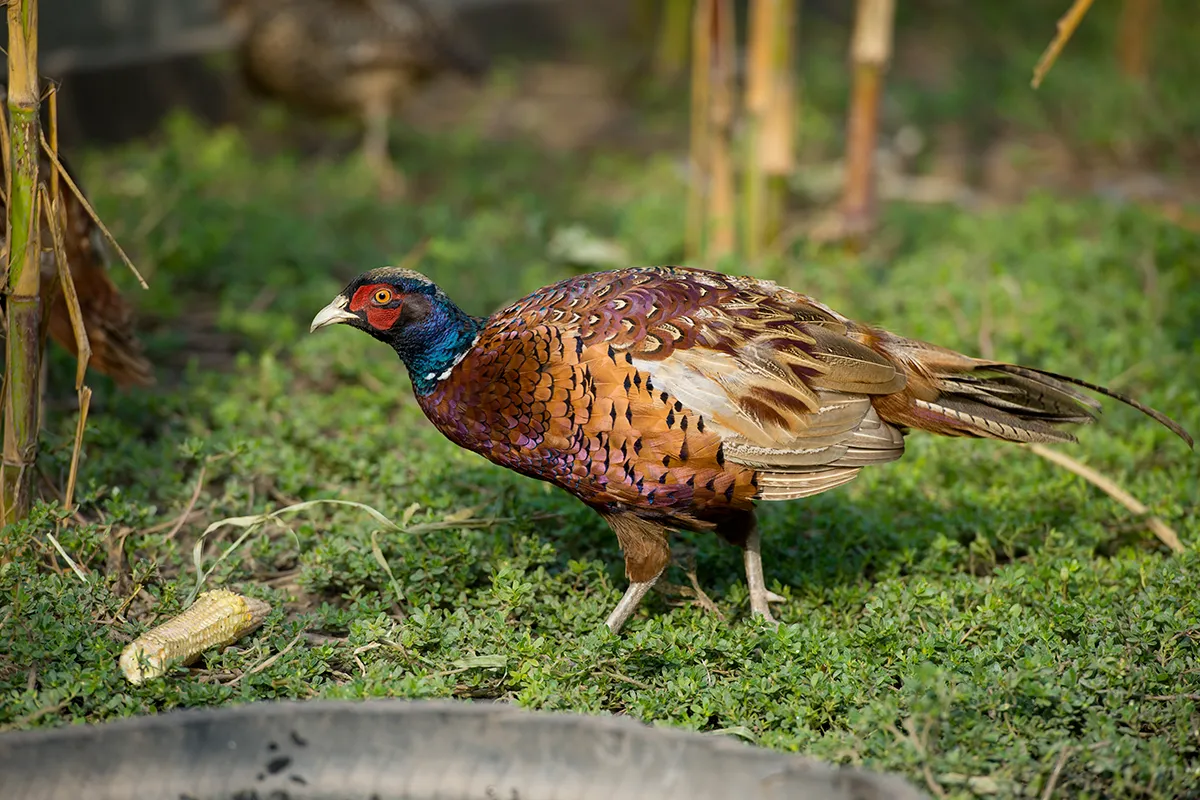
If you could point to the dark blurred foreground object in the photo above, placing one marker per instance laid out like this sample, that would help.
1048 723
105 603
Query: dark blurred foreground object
416 750
107 315
364 57
668 398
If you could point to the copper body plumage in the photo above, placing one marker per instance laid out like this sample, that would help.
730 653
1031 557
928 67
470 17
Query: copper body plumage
669 398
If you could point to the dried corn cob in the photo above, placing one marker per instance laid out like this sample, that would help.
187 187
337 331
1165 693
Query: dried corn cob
216 619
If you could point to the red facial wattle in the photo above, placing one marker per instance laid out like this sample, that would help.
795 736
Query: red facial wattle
379 317
383 318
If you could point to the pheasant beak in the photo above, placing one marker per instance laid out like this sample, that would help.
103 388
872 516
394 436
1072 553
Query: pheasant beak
332 314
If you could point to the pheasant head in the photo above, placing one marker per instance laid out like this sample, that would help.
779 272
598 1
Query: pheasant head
406 310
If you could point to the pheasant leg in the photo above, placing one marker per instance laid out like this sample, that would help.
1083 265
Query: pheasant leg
629 603
760 597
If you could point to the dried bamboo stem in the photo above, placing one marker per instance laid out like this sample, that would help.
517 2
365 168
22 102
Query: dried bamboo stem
779 131
55 218
674 32
52 102
871 50
763 17
87 206
722 220
24 306
1066 26
1165 533
770 115
711 224
699 133
1134 32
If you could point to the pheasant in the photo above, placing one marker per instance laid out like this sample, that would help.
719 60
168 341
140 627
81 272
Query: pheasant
669 398
107 315
348 56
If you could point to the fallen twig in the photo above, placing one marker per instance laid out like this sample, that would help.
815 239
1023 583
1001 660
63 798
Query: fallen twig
1163 531
260 666
70 561
916 742
1059 763
187 511
625 679
20 723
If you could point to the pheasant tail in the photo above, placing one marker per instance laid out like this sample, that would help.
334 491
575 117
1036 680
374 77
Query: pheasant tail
955 395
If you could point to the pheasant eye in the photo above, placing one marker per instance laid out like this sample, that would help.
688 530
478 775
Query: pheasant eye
383 297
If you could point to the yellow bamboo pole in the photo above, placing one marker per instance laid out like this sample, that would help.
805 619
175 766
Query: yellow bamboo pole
698 146
722 220
1066 27
871 51
779 135
763 19
770 120
23 304
674 33
1133 35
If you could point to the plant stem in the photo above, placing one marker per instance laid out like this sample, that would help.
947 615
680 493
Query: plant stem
1134 31
24 306
763 17
674 30
699 134
871 51
779 149
770 107
1066 27
720 223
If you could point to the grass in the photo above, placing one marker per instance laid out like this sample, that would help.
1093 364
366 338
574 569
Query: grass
970 616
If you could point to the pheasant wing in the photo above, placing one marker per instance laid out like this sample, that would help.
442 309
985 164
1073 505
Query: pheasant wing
776 375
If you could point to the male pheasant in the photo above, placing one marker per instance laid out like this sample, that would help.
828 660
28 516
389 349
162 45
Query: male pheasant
672 398
364 57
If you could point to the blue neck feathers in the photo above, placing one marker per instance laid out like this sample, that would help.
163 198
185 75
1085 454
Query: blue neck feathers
431 347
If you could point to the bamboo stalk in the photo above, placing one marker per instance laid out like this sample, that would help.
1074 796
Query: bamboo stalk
763 18
722 213
770 120
1134 32
24 307
1066 27
674 31
871 51
52 102
53 213
711 222
699 134
779 136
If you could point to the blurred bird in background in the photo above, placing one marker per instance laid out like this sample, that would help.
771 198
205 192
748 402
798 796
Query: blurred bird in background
363 57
